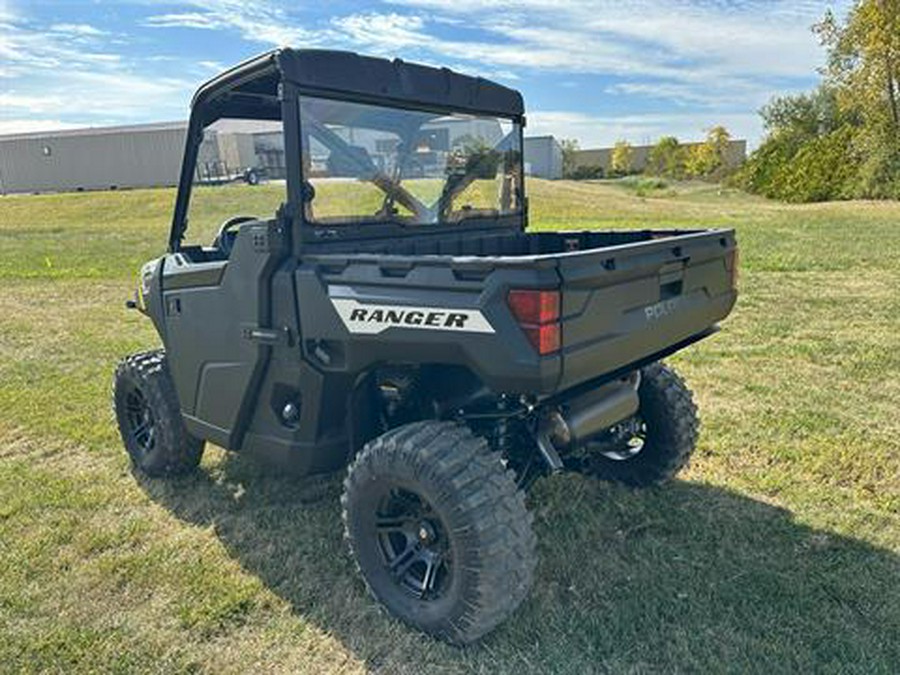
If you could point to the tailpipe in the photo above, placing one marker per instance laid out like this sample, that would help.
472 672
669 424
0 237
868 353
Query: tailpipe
586 415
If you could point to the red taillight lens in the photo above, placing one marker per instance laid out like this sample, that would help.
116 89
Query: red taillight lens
538 314
732 264
534 307
544 338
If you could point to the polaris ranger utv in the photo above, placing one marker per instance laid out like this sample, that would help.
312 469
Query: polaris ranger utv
385 310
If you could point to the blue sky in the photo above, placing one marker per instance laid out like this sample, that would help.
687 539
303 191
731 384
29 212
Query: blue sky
595 70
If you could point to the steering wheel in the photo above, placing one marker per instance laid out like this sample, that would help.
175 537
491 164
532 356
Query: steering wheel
224 240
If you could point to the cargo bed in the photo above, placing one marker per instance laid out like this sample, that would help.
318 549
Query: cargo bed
624 296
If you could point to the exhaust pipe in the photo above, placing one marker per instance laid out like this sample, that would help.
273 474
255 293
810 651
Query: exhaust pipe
586 415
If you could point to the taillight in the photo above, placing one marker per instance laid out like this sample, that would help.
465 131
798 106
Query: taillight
732 264
538 314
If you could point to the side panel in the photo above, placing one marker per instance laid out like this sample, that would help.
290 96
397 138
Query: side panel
213 312
357 314
300 419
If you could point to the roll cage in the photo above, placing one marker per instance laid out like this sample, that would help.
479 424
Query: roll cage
269 87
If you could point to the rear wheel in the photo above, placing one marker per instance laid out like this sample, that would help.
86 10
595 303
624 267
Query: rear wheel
655 444
149 417
439 530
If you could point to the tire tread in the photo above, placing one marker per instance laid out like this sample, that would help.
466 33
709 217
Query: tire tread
482 492
179 451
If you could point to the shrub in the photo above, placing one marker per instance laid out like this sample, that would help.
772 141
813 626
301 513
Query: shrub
823 169
879 173
643 186
587 172
763 172
796 169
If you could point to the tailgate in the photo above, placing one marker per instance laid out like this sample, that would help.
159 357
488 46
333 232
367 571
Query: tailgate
622 304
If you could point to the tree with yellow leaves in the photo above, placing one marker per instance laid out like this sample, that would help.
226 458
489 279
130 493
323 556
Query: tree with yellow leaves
622 158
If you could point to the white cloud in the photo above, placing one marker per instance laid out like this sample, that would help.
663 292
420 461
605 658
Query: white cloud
699 53
258 21
26 126
30 103
530 47
746 94
67 72
214 66
702 46
79 29
88 94
22 46
186 20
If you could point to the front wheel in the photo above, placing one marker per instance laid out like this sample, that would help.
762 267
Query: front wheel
655 444
149 417
439 530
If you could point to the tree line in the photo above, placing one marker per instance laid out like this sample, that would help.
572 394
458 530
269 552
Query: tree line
839 141
842 140
668 158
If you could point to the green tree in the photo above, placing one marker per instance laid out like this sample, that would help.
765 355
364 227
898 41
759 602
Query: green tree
622 158
804 115
667 158
843 139
569 149
864 67
864 60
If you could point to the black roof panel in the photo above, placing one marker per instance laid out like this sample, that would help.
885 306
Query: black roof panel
352 73
348 73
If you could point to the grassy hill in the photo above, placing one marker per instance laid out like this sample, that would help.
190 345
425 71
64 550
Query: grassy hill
777 551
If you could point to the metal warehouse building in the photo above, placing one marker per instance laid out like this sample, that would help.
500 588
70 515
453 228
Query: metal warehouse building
145 155
543 157
149 155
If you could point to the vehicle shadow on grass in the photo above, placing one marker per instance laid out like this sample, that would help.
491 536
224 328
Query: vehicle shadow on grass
686 577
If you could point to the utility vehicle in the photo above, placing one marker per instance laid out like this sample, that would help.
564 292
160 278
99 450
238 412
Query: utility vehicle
387 311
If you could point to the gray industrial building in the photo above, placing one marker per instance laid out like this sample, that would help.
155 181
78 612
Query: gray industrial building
145 155
543 157
149 155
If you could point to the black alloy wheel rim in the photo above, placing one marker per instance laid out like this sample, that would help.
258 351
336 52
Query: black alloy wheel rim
414 544
140 419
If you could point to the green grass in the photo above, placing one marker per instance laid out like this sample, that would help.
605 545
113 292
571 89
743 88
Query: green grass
777 551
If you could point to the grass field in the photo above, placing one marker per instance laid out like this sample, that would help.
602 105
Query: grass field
777 551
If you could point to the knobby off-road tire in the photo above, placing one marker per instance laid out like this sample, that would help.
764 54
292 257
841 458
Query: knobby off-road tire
149 417
436 494
670 427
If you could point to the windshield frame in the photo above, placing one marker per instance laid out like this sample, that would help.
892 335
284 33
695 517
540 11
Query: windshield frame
374 226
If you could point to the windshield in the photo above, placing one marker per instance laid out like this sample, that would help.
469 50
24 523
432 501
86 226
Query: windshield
370 163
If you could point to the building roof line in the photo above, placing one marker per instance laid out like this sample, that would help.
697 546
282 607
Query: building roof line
93 131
